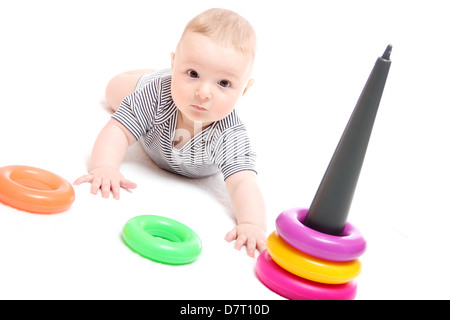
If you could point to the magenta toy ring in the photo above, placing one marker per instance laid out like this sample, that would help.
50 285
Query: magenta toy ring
293 287
347 247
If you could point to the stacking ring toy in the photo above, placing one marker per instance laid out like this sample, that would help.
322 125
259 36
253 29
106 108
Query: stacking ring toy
347 247
296 288
162 239
35 190
309 267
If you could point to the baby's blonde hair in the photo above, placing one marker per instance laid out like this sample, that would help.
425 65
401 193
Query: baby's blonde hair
227 27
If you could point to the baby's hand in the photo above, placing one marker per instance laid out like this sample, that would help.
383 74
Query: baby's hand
107 179
248 234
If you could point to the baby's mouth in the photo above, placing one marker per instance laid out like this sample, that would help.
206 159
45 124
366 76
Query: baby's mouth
198 108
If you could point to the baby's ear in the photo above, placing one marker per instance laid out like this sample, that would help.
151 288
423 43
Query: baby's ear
172 60
249 84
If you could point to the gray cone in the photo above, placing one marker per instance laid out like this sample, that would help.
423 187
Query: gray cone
329 209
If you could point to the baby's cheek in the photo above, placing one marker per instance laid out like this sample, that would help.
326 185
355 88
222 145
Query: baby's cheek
224 108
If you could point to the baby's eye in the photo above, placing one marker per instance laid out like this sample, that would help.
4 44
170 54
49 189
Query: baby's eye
224 83
192 74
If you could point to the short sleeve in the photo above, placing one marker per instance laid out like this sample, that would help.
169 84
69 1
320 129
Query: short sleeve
233 152
137 112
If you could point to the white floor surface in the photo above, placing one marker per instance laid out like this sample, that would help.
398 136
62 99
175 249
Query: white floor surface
313 61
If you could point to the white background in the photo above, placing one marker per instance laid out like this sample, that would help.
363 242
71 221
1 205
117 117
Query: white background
313 61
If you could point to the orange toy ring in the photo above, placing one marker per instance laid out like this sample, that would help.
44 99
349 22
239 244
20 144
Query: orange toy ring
35 190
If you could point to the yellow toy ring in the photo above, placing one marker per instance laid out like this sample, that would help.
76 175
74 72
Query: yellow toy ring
309 267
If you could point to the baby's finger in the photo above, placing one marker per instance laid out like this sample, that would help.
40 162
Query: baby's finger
95 185
231 235
261 245
251 247
83 179
240 242
106 188
115 188
127 184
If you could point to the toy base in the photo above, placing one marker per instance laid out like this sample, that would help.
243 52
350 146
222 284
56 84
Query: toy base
293 287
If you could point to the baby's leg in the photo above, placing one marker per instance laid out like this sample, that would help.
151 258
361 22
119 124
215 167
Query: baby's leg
122 85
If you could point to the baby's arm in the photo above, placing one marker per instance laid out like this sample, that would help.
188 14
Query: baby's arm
248 206
107 154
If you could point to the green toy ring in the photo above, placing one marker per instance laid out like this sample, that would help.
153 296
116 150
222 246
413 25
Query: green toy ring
162 239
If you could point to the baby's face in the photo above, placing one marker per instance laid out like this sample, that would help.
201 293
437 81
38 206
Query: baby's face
208 78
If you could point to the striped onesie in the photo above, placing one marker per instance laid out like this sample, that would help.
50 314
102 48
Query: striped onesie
150 114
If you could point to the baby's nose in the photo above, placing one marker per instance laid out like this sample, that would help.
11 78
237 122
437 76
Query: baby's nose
203 92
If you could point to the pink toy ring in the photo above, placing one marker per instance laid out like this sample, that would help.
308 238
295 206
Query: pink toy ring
293 287
335 248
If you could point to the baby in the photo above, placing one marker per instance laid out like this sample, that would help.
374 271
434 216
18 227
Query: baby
186 121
